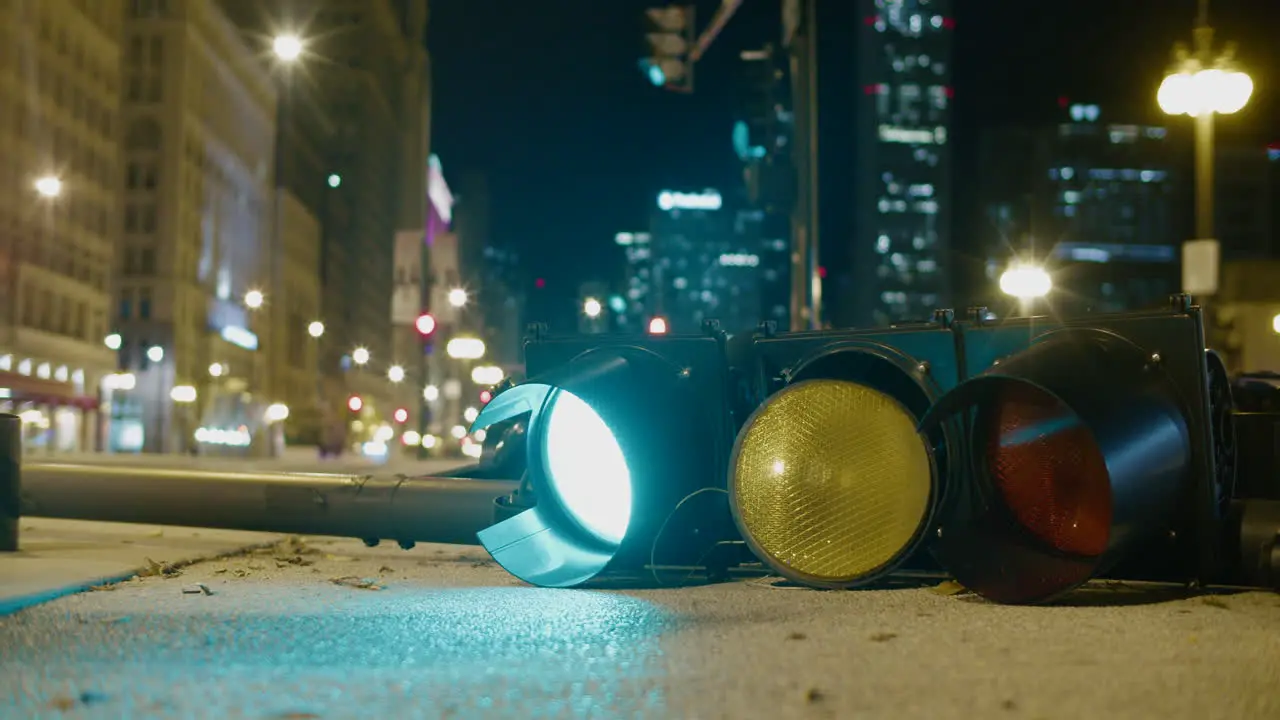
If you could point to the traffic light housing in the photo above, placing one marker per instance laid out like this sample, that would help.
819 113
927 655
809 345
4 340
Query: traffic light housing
670 36
1096 444
623 434
830 483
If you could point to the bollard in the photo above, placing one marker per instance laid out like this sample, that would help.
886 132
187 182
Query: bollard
10 476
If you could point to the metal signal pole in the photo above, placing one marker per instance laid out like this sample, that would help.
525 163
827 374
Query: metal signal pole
800 30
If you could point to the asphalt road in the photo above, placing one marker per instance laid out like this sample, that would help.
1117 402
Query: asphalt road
327 628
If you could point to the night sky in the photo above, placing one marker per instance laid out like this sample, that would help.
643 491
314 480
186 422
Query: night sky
546 99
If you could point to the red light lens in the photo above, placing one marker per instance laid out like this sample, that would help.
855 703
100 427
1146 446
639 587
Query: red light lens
401 415
1049 470
354 403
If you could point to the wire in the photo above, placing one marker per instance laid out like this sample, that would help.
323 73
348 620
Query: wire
653 549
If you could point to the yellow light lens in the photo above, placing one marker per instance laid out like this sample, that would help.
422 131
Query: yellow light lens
830 481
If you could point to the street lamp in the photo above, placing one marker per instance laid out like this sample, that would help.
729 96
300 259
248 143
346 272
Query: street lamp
287 47
1202 84
49 186
315 329
360 356
254 299
1027 283
155 353
113 341
277 412
592 308
457 297
395 374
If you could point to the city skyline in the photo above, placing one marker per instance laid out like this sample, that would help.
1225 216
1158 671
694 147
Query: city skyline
570 124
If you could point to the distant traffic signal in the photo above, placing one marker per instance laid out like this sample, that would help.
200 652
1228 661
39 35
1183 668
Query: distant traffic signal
622 432
401 415
830 483
671 37
355 404
425 324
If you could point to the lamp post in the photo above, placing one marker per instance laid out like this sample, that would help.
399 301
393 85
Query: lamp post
1201 84
287 49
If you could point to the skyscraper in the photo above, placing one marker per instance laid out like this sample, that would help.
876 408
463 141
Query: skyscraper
364 72
196 293
702 269
1093 201
59 196
902 194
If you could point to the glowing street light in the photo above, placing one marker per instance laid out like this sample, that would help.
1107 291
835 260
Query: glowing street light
487 375
277 412
360 356
657 326
217 369
1275 324
155 353
1025 281
465 348
287 47
183 394
49 186
315 329
113 341
395 374
457 297
431 393
254 299
592 308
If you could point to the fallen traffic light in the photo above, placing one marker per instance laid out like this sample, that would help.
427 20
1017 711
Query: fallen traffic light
830 483
1092 444
621 432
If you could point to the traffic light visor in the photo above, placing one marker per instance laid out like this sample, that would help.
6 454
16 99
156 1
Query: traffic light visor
830 481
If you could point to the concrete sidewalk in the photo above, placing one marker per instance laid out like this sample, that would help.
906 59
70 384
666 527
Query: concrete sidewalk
60 557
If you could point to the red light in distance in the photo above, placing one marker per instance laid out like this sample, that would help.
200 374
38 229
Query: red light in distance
426 324
401 415
485 396
354 403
